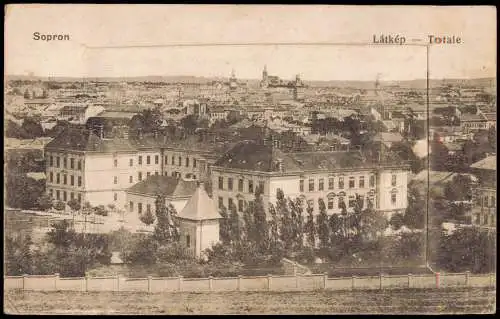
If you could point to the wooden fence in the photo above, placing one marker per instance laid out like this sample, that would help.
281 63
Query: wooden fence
298 282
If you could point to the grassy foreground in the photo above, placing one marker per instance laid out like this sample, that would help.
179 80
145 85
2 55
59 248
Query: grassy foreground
456 300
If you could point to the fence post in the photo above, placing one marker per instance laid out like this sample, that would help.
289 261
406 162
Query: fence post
269 282
410 280
381 277
180 283
353 282
86 283
295 268
437 280
492 282
56 279
210 283
467 278
117 282
297 281
149 284
325 279
239 282
24 281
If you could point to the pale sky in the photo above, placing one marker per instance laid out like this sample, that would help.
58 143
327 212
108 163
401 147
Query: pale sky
125 25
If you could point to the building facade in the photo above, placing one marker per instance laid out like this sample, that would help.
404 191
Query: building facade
484 210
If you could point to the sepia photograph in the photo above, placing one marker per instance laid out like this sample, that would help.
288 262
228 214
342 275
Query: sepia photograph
249 159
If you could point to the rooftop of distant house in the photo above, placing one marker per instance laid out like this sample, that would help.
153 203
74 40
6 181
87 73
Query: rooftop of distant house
168 186
488 163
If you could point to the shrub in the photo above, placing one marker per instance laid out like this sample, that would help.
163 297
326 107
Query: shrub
59 205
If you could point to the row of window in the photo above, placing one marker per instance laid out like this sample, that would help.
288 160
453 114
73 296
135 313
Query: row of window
64 179
340 183
241 182
57 161
240 205
179 161
140 207
486 220
63 195
486 201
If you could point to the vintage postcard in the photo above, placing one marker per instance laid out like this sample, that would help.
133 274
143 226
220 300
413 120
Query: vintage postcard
249 159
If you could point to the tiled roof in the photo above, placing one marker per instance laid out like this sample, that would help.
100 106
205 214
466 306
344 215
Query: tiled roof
341 160
249 155
488 163
471 117
165 185
199 207
492 116
388 137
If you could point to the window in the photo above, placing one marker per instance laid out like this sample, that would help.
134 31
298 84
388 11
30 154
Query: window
131 206
58 178
51 193
58 161
65 179
80 165
493 201
148 207
139 176
188 241
148 160
301 185
65 162
340 203
166 160
240 185
156 173
372 180
330 183
485 219
330 202
361 182
51 161
341 182
351 182
51 177
221 201
393 180
230 184
261 186
65 198
477 222
352 201
311 185
72 163
230 203
131 162
173 160
194 162
221 182
310 203
71 196
148 174
72 180
240 205
131 179
115 180
115 163
179 161
485 201
115 197
58 193
140 160
393 198
139 208
79 196
187 161
321 184
79 181
250 186
157 159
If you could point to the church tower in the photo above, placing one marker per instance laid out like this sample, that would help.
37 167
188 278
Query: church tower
264 73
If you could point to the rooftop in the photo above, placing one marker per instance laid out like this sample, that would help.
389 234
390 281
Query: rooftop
200 206
488 163
168 186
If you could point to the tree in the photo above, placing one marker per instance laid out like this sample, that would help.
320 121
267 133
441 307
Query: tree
100 210
59 205
18 255
310 228
274 236
323 226
235 225
414 216
397 221
166 231
248 222
260 221
189 123
32 128
285 220
459 189
44 202
75 205
147 217
372 223
224 226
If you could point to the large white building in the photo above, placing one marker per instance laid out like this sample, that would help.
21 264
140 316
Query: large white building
83 166
334 177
